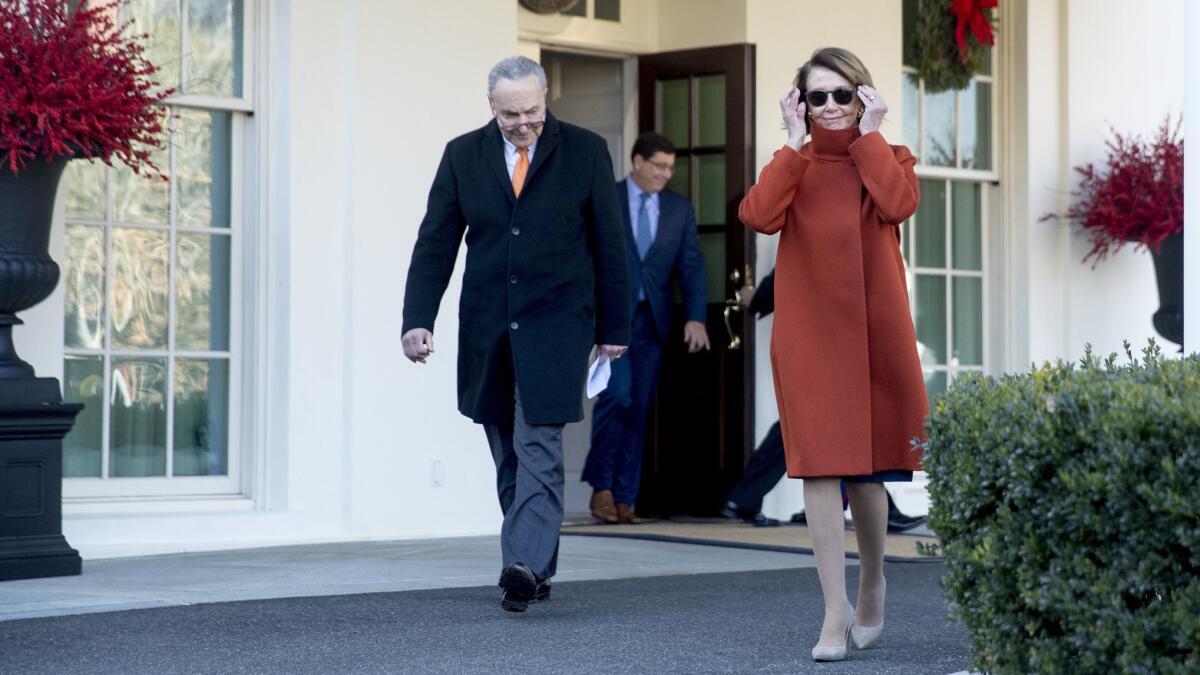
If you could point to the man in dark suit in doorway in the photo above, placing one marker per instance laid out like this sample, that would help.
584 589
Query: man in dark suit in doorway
661 244
545 281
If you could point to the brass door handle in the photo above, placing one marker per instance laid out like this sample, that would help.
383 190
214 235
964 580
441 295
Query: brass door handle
735 340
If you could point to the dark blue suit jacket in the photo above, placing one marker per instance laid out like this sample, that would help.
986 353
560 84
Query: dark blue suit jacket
676 250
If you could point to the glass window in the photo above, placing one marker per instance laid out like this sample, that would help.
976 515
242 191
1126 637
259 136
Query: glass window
577 9
951 134
607 10
673 111
149 275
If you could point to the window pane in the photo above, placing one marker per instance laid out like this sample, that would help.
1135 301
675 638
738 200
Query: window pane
712 246
968 226
201 417
673 115
977 126
214 47
202 292
905 234
143 199
138 441
930 221
711 109
931 318
968 321
87 195
202 167
908 23
710 202
608 10
161 19
83 382
911 102
681 180
935 384
939 129
139 288
83 285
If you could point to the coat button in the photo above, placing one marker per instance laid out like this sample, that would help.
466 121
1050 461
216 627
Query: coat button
514 325
516 231
513 279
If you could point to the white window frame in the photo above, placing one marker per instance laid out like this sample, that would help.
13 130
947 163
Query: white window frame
245 288
988 180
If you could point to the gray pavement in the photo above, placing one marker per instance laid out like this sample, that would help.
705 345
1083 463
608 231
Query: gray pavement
431 606
359 567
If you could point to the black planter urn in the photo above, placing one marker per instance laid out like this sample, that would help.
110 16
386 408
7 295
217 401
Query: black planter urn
33 418
1168 270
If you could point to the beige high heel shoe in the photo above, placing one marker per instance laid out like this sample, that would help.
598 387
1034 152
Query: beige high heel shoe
835 653
864 636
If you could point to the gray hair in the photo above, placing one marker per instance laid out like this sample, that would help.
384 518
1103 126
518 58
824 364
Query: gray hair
515 68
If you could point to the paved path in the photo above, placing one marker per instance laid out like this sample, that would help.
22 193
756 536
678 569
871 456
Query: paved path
432 607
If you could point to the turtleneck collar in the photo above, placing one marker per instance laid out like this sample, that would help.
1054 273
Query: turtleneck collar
832 143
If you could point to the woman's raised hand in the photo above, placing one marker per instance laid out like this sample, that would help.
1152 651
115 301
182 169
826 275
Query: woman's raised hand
794 110
874 108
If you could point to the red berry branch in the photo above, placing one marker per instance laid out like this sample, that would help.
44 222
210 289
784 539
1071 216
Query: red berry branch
73 83
1136 196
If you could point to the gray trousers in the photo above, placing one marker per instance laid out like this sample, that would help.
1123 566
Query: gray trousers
529 482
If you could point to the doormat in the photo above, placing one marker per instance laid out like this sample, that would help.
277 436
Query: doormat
787 538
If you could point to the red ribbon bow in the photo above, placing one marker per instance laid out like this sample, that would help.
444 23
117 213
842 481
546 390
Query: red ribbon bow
971 12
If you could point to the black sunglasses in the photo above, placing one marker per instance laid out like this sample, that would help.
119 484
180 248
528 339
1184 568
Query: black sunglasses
817 98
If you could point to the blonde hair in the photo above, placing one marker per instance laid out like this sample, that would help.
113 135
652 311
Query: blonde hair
841 61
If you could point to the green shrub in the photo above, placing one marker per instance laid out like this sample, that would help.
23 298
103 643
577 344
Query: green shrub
1067 501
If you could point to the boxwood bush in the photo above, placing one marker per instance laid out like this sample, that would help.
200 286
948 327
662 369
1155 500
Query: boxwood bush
1067 501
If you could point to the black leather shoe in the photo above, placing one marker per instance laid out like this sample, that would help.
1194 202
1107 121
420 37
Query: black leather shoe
519 586
902 523
543 592
734 512
898 522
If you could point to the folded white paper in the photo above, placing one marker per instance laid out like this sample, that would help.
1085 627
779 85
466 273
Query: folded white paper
598 374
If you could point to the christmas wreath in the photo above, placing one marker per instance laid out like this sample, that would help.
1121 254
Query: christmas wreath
951 41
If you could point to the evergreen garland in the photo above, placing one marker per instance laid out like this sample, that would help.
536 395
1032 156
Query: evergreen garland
934 52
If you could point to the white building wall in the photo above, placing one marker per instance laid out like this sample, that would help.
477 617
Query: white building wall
1077 59
364 98
1125 69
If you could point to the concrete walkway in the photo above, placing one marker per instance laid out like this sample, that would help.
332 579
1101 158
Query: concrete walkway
619 606
361 567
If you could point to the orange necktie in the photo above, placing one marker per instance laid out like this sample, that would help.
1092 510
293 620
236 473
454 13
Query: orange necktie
519 171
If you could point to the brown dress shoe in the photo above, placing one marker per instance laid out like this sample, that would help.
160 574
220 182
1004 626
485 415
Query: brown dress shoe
602 506
626 515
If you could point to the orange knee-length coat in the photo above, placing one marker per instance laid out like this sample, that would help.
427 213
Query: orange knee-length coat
847 376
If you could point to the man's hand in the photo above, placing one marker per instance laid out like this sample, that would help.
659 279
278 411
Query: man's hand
613 352
696 336
418 344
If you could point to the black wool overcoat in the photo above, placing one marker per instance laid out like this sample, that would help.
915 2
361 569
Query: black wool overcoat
545 276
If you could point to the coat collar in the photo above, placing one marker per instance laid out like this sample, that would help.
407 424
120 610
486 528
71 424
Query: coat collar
493 149
833 144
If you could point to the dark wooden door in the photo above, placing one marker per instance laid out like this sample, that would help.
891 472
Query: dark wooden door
701 429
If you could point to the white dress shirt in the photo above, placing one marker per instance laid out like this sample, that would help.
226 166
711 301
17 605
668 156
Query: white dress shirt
511 156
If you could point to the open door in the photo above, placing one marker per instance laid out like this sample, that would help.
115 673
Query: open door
701 431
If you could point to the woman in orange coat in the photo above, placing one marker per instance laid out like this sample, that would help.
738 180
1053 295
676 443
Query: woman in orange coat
847 376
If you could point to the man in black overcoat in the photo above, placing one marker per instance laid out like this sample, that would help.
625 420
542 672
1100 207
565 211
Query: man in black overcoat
545 281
